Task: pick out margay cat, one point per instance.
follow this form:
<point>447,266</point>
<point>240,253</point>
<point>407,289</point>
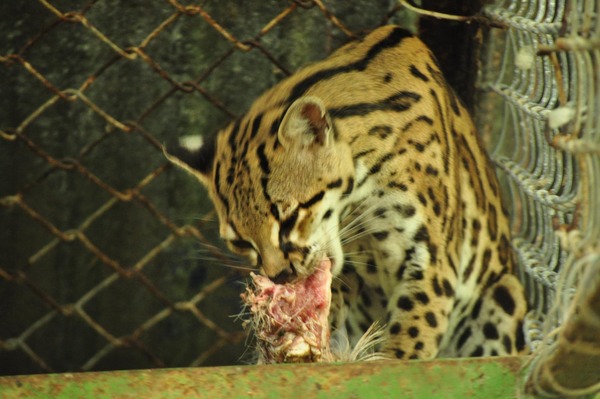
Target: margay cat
<point>368,158</point>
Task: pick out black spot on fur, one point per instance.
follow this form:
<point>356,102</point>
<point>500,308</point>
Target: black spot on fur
<point>476,309</point>
<point>419,346</point>
<point>388,77</point>
<point>431,194</point>
<point>395,328</point>
<point>432,254</point>
<point>504,299</point>
<point>399,353</point>
<point>413,332</point>
<point>400,272</point>
<point>431,319</point>
<point>400,186</point>
<point>383,131</point>
<point>405,303</point>
<point>419,147</point>
<point>328,214</point>
<point>430,170</point>
<point>422,199</point>
<point>448,290</point>
<point>437,288</point>
<point>451,264</point>
<point>478,352</point>
<point>504,250</point>
<point>422,297</point>
<point>520,336</point>
<point>417,275</point>
<point>454,103</point>
<point>381,235</point>
<point>365,298</point>
<point>438,339</point>
<point>469,269</point>
<point>492,222</point>
<point>380,213</point>
<point>349,327</point>
<point>507,343</point>
<point>371,266</point>
<point>487,256</point>
<point>463,338</point>
<point>377,167</point>
<point>422,234</point>
<point>461,323</point>
<point>408,254</point>
<point>490,331</point>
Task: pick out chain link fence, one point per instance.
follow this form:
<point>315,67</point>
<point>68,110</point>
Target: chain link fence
<point>108,256</point>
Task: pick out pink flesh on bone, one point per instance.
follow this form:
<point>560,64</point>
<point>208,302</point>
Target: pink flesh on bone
<point>290,320</point>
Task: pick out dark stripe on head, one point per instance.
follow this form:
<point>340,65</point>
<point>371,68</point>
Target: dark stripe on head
<point>349,187</point>
<point>425,118</point>
<point>363,153</point>
<point>218,187</point>
<point>392,40</point>
<point>418,74</point>
<point>316,198</point>
<point>377,167</point>
<point>264,161</point>
<point>335,184</point>
<point>398,103</point>
<point>288,224</point>
<point>275,125</point>
<point>256,125</point>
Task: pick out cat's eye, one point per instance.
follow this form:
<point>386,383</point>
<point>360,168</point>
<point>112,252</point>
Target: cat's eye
<point>244,248</point>
<point>241,244</point>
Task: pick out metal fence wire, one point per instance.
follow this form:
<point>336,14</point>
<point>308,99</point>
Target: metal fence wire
<point>107,254</point>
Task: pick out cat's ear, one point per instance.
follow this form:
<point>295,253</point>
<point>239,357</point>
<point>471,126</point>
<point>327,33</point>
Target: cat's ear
<point>194,154</point>
<point>306,123</point>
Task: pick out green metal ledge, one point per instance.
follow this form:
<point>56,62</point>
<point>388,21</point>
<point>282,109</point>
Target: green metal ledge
<point>453,378</point>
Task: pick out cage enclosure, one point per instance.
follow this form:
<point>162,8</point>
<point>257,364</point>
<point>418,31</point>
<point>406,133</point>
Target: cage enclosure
<point>110,258</point>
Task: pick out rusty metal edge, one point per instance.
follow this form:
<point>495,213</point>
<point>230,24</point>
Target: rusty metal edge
<point>451,378</point>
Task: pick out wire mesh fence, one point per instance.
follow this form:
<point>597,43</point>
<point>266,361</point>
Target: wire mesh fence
<point>541,100</point>
<point>107,255</point>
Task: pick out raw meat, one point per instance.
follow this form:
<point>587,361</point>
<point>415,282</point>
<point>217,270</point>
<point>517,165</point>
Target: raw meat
<point>290,320</point>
